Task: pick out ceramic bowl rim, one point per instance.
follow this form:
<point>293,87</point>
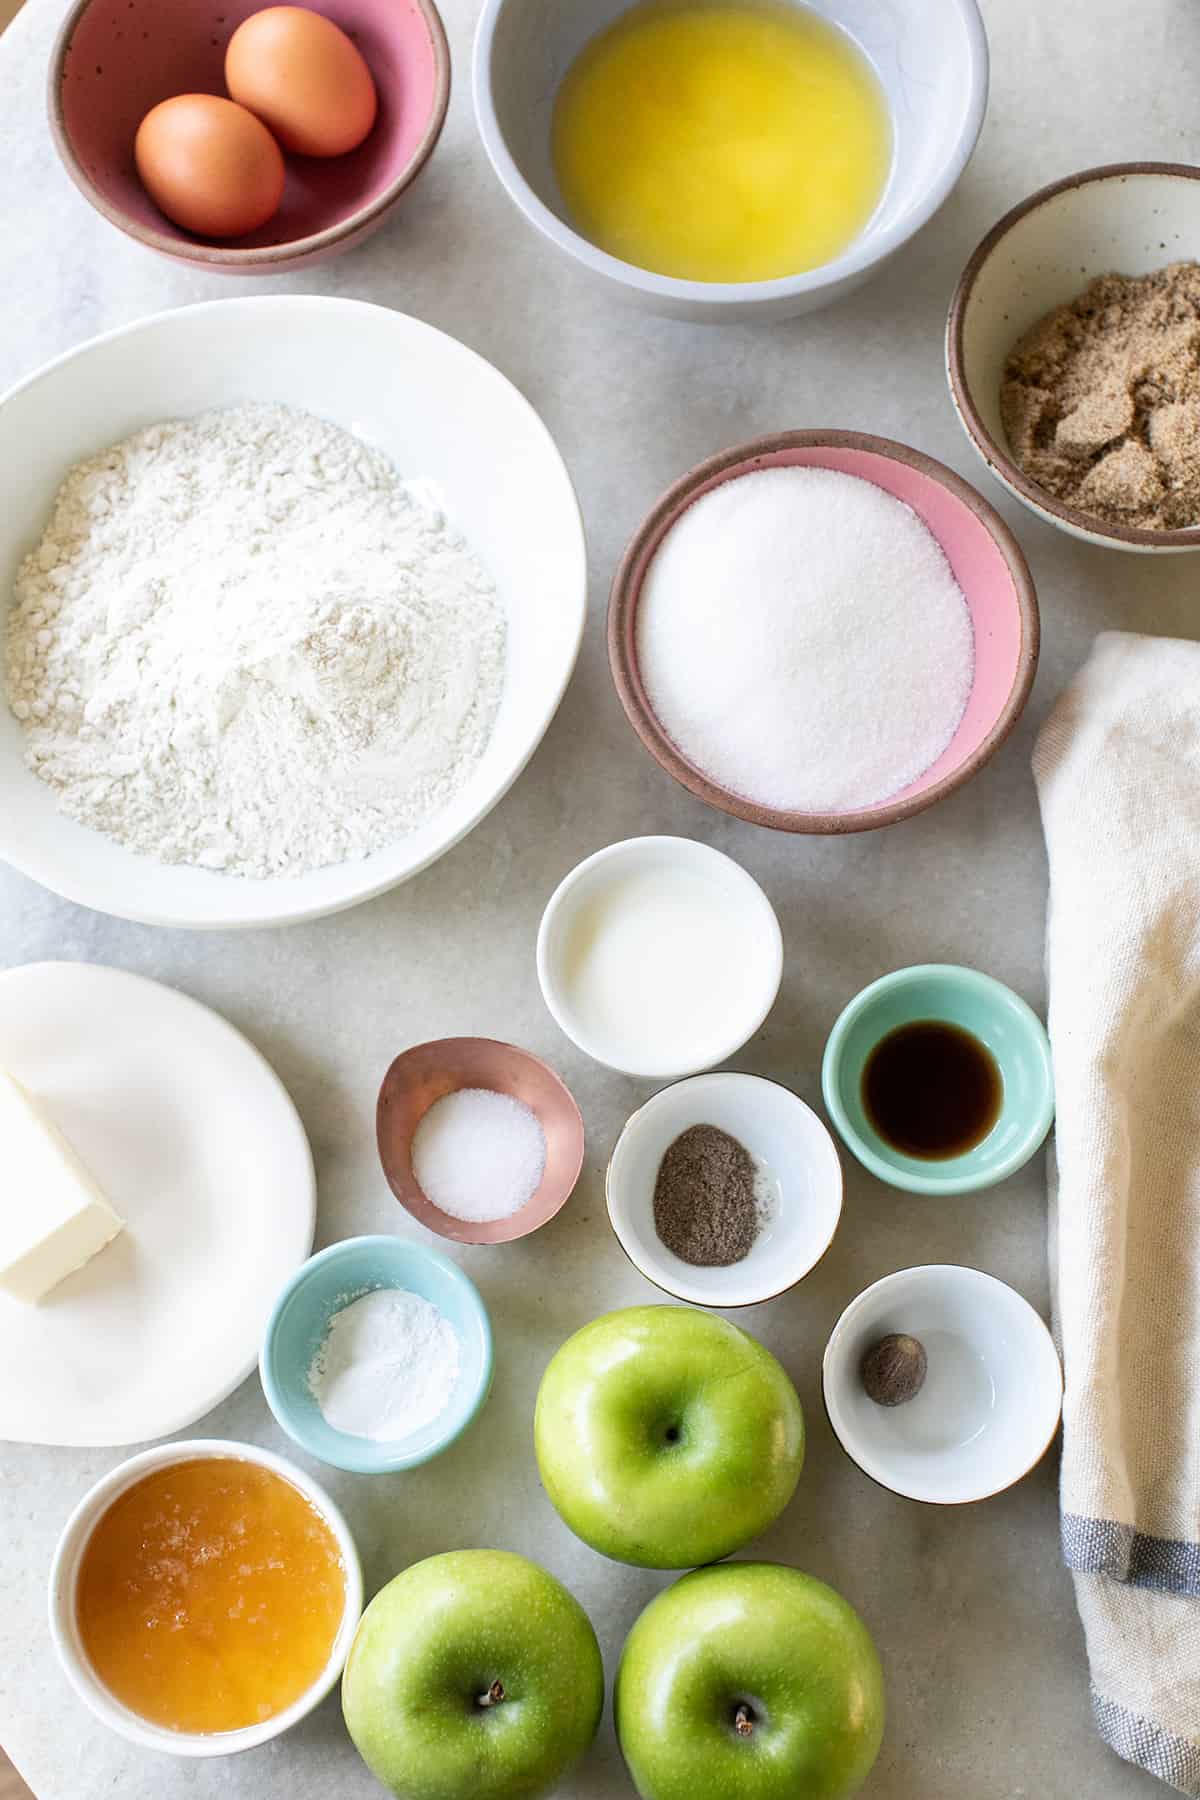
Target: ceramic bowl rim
<point>730,1077</point>
<point>744,459</point>
<point>946,1182</point>
<point>262,258</point>
<point>76,1534</point>
<point>367,1456</point>
<point>441,1222</point>
<point>868,250</point>
<point>956,1273</point>
<point>996,455</point>
<point>623,847</point>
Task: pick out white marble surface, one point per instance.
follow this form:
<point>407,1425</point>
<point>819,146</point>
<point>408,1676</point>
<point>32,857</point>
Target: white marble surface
<point>973,1613</point>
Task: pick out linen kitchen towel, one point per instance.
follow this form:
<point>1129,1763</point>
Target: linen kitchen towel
<point>1118,774</point>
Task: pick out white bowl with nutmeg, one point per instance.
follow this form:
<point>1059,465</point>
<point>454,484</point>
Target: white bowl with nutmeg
<point>1073,360</point>
<point>943,1384</point>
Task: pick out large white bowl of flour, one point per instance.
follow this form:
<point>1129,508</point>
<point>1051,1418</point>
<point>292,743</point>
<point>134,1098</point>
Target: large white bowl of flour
<point>447,420</point>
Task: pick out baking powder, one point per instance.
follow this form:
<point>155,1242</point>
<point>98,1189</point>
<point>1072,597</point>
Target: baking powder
<point>387,1366</point>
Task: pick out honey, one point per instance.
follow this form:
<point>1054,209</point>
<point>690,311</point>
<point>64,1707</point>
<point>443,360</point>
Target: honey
<point>209,1595</point>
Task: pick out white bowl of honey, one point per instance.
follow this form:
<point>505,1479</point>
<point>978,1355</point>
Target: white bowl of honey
<point>203,1597</point>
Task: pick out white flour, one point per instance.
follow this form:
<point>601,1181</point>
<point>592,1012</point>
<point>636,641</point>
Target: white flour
<point>387,1367</point>
<point>245,643</point>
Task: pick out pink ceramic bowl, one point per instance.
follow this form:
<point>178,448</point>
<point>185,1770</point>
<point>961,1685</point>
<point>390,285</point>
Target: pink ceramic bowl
<point>987,562</point>
<point>115,59</point>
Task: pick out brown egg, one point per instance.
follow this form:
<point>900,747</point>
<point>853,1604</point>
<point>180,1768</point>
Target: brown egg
<point>304,78</point>
<point>211,166</point>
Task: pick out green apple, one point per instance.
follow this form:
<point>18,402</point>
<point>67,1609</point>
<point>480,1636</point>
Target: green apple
<point>667,1437</point>
<point>473,1676</point>
<point>749,1682</point>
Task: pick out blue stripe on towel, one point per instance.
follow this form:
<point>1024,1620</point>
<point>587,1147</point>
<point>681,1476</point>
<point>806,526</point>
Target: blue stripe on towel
<point>1172,1759</point>
<point>1102,1547</point>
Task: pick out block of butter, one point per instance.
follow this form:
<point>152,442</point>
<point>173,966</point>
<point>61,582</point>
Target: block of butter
<point>53,1217</point>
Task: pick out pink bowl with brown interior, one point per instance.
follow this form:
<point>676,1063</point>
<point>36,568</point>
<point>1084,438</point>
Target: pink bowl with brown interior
<point>115,59</point>
<point>988,565</point>
<point>427,1073</point>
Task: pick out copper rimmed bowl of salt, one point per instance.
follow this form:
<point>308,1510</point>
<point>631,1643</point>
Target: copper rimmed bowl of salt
<point>822,631</point>
<point>480,1141</point>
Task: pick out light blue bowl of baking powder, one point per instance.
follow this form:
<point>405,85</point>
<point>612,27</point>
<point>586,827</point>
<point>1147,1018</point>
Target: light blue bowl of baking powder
<point>300,1321</point>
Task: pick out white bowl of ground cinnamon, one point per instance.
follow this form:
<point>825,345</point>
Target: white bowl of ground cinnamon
<point>1073,355</point>
<point>724,1190</point>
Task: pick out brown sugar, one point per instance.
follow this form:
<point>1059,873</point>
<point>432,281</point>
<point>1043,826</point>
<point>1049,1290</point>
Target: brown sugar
<point>1100,400</point>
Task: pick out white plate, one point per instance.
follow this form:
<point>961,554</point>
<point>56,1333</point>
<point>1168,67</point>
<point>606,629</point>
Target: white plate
<point>441,413</point>
<point>195,1141</point>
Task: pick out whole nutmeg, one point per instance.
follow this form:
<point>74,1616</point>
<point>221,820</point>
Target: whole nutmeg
<point>893,1370</point>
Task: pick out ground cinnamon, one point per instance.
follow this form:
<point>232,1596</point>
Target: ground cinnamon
<point>705,1201</point>
<point>1100,400</point>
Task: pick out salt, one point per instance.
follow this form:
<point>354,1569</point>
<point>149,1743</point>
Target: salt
<point>803,641</point>
<point>387,1366</point>
<point>479,1155</point>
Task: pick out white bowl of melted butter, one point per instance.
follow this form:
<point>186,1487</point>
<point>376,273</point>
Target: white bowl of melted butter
<point>929,63</point>
<point>659,956</point>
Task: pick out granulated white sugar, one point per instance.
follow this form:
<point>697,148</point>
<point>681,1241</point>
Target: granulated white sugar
<point>479,1155</point>
<point>803,640</point>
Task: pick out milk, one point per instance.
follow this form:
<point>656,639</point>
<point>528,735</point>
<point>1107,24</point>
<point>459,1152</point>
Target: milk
<point>654,966</point>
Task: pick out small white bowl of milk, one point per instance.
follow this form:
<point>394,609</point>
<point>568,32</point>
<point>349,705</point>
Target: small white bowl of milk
<point>659,956</point>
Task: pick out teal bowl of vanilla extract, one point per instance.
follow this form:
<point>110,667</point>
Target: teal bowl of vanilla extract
<point>939,1079</point>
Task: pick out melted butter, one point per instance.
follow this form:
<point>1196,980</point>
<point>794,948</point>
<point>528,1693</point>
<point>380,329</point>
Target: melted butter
<point>209,1595</point>
<point>717,142</point>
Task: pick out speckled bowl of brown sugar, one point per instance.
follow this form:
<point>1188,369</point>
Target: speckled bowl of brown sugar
<point>1118,452</point>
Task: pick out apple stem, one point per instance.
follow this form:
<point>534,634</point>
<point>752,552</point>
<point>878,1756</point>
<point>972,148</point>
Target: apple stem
<point>743,1721</point>
<point>494,1695</point>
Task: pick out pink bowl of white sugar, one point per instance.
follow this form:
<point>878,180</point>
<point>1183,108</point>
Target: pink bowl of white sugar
<point>823,631</point>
